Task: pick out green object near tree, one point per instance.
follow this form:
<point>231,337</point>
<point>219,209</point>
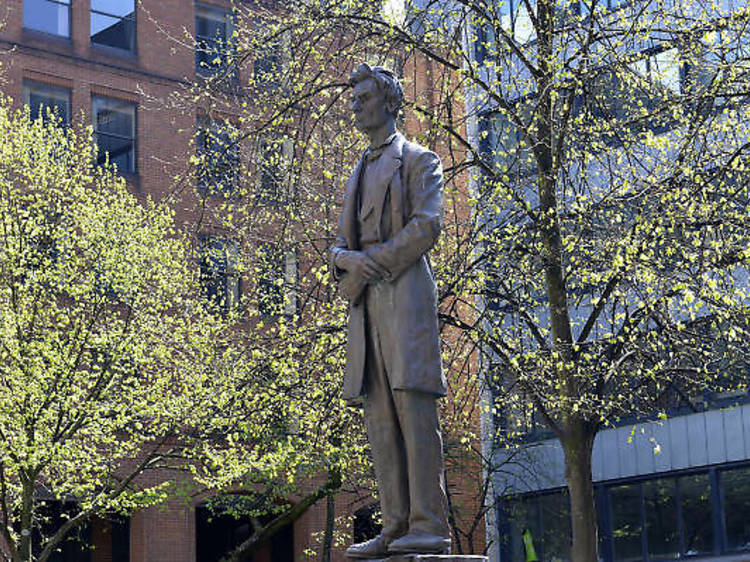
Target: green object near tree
<point>528,546</point>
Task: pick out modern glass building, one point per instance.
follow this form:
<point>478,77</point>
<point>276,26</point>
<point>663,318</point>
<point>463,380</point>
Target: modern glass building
<point>667,487</point>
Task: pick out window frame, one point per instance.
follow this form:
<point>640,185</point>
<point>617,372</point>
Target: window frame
<point>282,149</point>
<point>717,540</point>
<point>276,263</point>
<point>212,128</point>
<point>134,39</point>
<point>226,273</point>
<point>134,138</point>
<point>205,10</point>
<point>66,3</point>
<point>29,85</point>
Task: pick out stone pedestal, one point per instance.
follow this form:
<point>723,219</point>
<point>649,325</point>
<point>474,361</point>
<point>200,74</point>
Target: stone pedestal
<point>429,558</point>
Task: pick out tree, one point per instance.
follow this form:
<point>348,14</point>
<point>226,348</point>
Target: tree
<point>603,269</point>
<point>106,350</point>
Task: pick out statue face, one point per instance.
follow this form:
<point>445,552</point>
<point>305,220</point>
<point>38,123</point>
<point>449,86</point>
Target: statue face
<point>369,107</point>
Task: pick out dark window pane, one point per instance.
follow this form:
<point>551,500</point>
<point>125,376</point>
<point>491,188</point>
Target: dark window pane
<point>367,523</point>
<point>212,31</point>
<point>121,152</point>
<point>556,537</point>
<point>661,518</point>
<point>115,120</point>
<point>113,31</point>
<point>48,16</point>
<point>40,98</point>
<point>119,8</point>
<point>525,528</point>
<point>215,29</point>
<point>219,170</point>
<point>625,502</point>
<point>735,487</point>
<point>695,501</point>
<point>270,281</point>
<point>271,188</point>
<point>267,66</point>
<point>217,271</point>
<point>114,126</point>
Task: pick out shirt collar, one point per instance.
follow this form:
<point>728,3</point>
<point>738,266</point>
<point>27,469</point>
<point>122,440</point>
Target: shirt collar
<point>374,152</point>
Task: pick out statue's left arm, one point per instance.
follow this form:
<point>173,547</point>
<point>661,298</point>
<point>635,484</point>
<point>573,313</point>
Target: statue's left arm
<point>423,187</point>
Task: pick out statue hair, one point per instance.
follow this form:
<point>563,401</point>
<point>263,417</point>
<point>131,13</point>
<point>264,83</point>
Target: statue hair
<point>387,83</point>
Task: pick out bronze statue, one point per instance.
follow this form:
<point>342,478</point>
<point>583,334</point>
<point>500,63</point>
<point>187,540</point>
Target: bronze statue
<point>390,220</point>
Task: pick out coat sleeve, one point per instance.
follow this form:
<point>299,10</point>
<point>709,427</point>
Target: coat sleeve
<point>339,244</point>
<point>423,187</point>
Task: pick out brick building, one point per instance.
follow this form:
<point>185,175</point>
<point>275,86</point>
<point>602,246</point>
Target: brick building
<point>101,62</point>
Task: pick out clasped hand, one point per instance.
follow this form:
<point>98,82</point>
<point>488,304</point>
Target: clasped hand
<point>360,270</point>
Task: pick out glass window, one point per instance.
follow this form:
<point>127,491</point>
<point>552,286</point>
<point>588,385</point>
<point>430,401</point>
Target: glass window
<point>556,532</point>
<point>626,522</point>
<point>213,31</point>
<point>267,66</point>
<point>49,16</point>
<point>271,278</point>
<point>113,23</point>
<point>42,98</point>
<point>114,130</point>
<point>735,488</point>
<point>695,501</point>
<point>661,518</point>
<point>540,528</point>
<point>270,162</point>
<point>218,271</point>
<point>218,171</point>
<point>662,69</point>
<point>508,143</point>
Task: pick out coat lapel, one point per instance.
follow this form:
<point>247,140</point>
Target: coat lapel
<point>349,212</point>
<point>390,163</point>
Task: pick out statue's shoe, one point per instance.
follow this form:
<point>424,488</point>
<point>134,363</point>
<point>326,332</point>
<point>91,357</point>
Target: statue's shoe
<point>420,543</point>
<point>374,548</point>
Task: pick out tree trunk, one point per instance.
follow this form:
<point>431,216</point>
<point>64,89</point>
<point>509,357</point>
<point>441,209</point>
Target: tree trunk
<point>27,515</point>
<point>578,448</point>
<point>330,521</point>
<point>288,517</point>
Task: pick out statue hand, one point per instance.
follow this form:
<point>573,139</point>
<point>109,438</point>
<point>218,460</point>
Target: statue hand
<point>359,265</point>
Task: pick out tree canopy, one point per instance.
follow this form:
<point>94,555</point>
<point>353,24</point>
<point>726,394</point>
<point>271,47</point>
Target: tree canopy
<point>596,160</point>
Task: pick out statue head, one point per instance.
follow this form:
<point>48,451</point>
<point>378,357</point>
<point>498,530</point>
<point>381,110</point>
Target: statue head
<point>377,96</point>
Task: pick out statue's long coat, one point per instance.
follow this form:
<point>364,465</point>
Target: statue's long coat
<point>410,192</point>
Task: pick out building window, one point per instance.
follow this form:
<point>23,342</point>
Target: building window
<point>367,523</point>
<point>113,23</point>
<point>539,525</point>
<point>49,16</point>
<point>213,32</point>
<point>701,513</point>
<point>219,157</point>
<point>267,66</point>
<point>276,271</point>
<point>735,487</point>
<point>114,130</point>
<point>697,514</point>
<point>218,271</point>
<point>661,519</point>
<point>219,531</point>
<point>508,144</point>
<point>271,158</point>
<point>43,99</point>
